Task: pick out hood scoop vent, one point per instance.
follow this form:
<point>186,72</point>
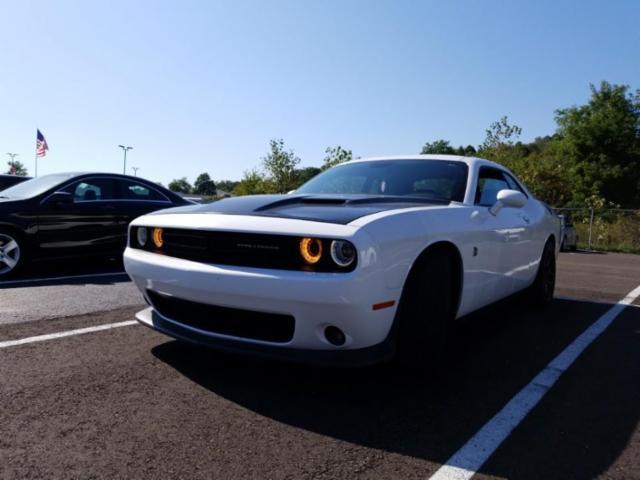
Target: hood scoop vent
<point>324,201</point>
<point>297,200</point>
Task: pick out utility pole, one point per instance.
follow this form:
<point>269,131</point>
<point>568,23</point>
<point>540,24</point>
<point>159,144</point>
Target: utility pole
<point>12,164</point>
<point>135,171</point>
<point>125,150</point>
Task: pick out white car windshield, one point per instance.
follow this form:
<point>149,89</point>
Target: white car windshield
<point>432,179</point>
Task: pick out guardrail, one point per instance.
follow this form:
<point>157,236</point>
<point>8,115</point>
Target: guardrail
<point>615,230</point>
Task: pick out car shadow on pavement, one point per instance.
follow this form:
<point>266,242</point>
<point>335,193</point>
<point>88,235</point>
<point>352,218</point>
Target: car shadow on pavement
<point>429,415</point>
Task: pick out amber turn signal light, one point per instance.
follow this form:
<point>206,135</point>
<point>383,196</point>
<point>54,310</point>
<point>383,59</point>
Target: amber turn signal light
<point>311,250</point>
<point>158,237</point>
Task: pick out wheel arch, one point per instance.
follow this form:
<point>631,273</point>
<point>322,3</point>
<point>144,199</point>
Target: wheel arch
<point>449,249</point>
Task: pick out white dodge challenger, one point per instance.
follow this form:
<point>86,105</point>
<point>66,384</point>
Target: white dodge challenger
<point>370,259</point>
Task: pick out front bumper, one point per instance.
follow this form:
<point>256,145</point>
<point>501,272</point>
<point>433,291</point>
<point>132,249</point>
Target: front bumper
<point>315,300</point>
<point>362,357</point>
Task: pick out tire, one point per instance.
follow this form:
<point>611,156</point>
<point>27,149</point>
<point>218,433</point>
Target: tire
<point>13,254</point>
<point>541,291</point>
<point>425,312</point>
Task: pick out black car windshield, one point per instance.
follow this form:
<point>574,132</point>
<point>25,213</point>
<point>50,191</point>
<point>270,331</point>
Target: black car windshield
<point>35,186</point>
<point>431,179</point>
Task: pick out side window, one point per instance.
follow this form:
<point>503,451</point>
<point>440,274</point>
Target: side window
<point>490,182</point>
<point>513,185</point>
<point>130,190</point>
<point>92,189</point>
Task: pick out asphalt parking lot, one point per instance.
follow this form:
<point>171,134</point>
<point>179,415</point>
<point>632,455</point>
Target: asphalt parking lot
<point>130,403</point>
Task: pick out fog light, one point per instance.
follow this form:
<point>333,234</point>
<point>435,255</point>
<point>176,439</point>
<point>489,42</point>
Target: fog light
<point>141,236</point>
<point>335,336</point>
<point>158,237</point>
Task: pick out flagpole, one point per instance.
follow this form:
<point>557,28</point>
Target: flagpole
<point>36,170</point>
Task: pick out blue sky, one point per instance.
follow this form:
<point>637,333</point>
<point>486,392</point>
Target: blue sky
<point>199,86</point>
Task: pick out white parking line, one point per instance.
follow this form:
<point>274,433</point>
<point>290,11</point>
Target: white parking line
<point>68,333</point>
<point>55,279</point>
<point>468,460</point>
<point>591,300</point>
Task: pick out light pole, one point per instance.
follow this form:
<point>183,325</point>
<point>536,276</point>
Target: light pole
<point>125,150</point>
<point>135,171</point>
<point>12,164</point>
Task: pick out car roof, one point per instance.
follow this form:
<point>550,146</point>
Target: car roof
<point>100,174</point>
<point>470,161</point>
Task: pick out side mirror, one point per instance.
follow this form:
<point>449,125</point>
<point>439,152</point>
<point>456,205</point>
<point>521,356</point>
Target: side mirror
<point>509,199</point>
<point>60,198</point>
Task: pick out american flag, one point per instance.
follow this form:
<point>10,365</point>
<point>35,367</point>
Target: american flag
<point>41,145</point>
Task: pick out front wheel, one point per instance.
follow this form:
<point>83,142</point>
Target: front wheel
<point>425,311</point>
<point>541,291</point>
<point>12,254</point>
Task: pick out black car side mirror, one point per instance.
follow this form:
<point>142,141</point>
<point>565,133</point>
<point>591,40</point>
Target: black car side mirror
<point>60,198</point>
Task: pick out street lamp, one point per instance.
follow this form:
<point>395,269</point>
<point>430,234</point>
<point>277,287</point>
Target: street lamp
<point>12,164</point>
<point>125,150</point>
<point>135,171</point>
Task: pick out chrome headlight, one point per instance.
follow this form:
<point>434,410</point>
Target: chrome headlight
<point>142,236</point>
<point>343,253</point>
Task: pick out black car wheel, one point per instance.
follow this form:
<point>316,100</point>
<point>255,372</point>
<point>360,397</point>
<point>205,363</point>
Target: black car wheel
<point>12,254</point>
<point>425,311</point>
<point>541,291</point>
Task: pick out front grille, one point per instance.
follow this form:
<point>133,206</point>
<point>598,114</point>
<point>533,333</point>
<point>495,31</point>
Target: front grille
<point>231,248</point>
<point>235,322</point>
<point>241,249</point>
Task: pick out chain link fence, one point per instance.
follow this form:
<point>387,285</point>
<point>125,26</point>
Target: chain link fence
<point>614,230</point>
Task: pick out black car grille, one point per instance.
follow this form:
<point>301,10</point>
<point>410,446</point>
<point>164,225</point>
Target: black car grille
<point>231,248</point>
<point>235,322</point>
<point>241,249</point>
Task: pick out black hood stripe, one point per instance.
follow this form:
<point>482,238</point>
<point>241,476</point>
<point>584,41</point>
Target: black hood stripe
<point>340,209</point>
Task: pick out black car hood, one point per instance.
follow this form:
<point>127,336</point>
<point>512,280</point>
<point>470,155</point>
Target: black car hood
<point>341,209</point>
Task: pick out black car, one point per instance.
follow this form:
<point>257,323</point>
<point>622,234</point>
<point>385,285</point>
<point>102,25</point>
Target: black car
<point>70,215</point>
<point>7,181</point>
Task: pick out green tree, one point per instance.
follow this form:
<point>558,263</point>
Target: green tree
<point>468,151</point>
<point>254,182</point>
<point>500,144</point>
<point>600,143</point>
<point>16,167</point>
<point>180,185</point>
<point>335,156</point>
<point>437,147</point>
<point>204,185</point>
<point>500,134</point>
<point>280,166</point>
<point>226,185</point>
